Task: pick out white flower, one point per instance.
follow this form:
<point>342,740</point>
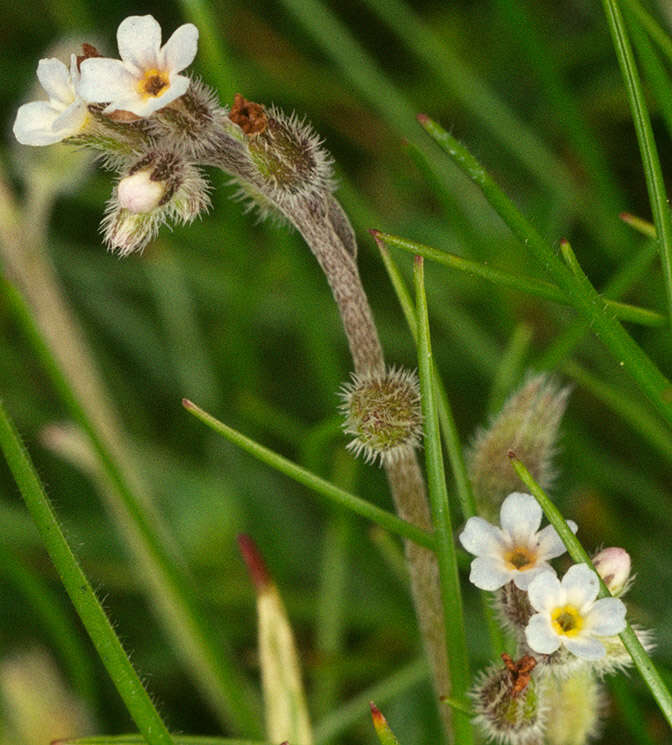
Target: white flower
<point>63,115</point>
<point>145,79</point>
<point>569,614</point>
<point>517,551</point>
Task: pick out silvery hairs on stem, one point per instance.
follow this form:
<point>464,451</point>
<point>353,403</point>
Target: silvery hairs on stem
<point>156,129</point>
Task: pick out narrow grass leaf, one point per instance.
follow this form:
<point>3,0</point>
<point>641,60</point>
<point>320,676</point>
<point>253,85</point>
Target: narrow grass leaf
<point>529,285</point>
<point>383,729</point>
<point>647,144</point>
<point>639,656</point>
<point>438,498</point>
<point>329,491</point>
<point>580,293</point>
<point>89,609</point>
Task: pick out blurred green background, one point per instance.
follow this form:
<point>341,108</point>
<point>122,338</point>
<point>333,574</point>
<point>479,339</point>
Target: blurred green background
<point>236,316</point>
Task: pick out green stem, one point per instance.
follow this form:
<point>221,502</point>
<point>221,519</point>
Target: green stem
<point>652,27</point>
<point>529,285</point>
<point>647,144</point>
<point>99,628</point>
<point>328,490</point>
<point>578,553</point>
<point>580,293</point>
<point>438,497</point>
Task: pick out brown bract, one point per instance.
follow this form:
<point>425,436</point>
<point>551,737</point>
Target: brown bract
<point>88,51</point>
<point>248,115</point>
<point>520,672</point>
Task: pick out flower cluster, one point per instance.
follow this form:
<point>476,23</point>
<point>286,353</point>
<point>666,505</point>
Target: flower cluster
<point>566,634</point>
<point>157,127</point>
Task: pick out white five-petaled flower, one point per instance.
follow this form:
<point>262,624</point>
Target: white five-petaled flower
<point>569,614</point>
<point>146,78</point>
<point>517,551</point>
<point>63,115</point>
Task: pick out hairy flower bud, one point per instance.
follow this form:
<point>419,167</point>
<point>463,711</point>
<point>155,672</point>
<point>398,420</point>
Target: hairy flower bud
<point>286,153</point>
<point>513,608</point>
<point>160,187</point>
<point>507,711</point>
<point>382,411</point>
<point>528,425</point>
<point>613,565</point>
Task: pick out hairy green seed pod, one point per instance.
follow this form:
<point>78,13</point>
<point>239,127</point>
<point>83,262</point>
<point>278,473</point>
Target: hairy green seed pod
<point>575,706</point>
<point>506,714</point>
<point>528,425</point>
<point>383,412</point>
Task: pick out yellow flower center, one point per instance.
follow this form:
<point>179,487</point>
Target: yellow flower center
<point>153,84</point>
<point>566,620</point>
<point>521,558</point>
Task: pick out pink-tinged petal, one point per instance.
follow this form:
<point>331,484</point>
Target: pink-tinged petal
<point>481,538</point>
<point>488,574</point>
<point>545,592</point>
<point>606,617</point>
<point>581,585</point>
<point>586,647</point>
<point>105,80</point>
<point>520,516</point>
<point>549,542</point>
<point>540,635</point>
<point>71,121</point>
<point>34,122</point>
<point>139,41</point>
<point>179,51</point>
<point>55,79</point>
<point>523,579</point>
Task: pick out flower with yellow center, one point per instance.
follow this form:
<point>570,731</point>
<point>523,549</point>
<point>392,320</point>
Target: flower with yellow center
<point>518,551</point>
<point>146,78</point>
<point>569,614</point>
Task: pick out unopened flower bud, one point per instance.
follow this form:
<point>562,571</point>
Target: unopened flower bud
<point>509,704</point>
<point>528,425</point>
<point>613,565</point>
<point>138,193</point>
<point>383,412</point>
<point>514,608</point>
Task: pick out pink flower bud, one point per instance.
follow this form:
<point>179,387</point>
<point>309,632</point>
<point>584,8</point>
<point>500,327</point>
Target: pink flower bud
<point>613,565</point>
<point>139,194</point>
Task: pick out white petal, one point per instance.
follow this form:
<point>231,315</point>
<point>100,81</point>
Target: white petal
<point>540,635</point>
<point>488,574</point>
<point>139,41</point>
<point>549,542</point>
<point>523,579</point>
<point>147,105</point>
<point>70,121</point>
<point>481,538</point>
<point>55,79</point>
<point>581,585</point>
<point>606,617</point>
<point>520,516</point>
<point>34,122</point>
<point>105,80</point>
<point>585,646</point>
<point>545,591</point>
<point>179,51</point>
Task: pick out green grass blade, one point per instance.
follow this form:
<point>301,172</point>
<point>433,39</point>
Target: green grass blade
<point>449,579</point>
<point>450,433</point>
<point>329,491</point>
<point>647,144</point>
<point>138,740</point>
<point>639,656</point>
<point>171,590</point>
<point>651,26</point>
<point>529,285</point>
<point>97,625</point>
<point>580,293</point>
<point>511,367</point>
